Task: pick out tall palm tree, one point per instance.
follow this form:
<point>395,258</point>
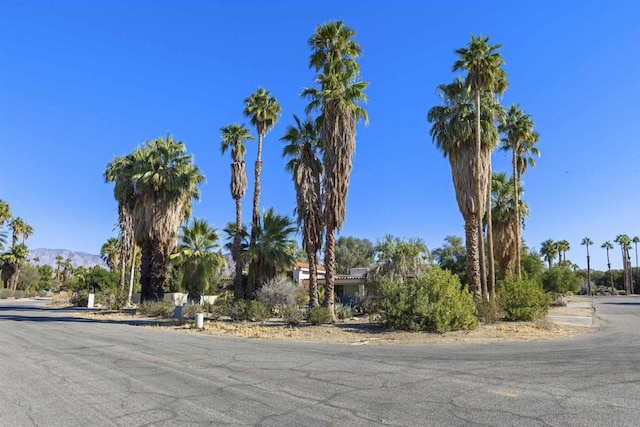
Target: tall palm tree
<point>110,252</point>
<point>233,137</point>
<point>121,171</point>
<point>635,240</point>
<point>197,257</point>
<point>586,242</point>
<point>520,139</point>
<point>625,244</point>
<point>273,250</point>
<point>483,64</point>
<point>263,110</point>
<point>333,57</point>
<point>563,247</point>
<point>608,245</point>
<point>162,181</point>
<point>303,145</point>
<point>549,250</point>
<point>453,132</point>
<point>503,207</point>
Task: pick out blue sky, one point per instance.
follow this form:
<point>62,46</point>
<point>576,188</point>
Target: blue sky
<point>84,81</point>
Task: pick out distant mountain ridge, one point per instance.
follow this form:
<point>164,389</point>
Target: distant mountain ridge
<point>78,259</point>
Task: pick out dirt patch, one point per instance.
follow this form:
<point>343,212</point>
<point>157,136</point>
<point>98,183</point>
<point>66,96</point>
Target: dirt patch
<point>357,331</point>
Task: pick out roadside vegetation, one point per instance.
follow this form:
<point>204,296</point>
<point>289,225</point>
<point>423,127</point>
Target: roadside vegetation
<point>487,275</point>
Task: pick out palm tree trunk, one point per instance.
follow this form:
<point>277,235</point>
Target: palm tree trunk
<point>492,273</point>
<point>313,279</point>
<point>330,269</point>
<point>516,193</point>
<point>610,275</point>
<point>479,198</point>
<point>255,216</point>
<point>473,266</point>
<point>237,243</point>
<point>123,271</point>
<point>589,271</point>
<point>132,274</point>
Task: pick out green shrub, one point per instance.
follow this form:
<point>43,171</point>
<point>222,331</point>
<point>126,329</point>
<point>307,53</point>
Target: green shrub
<point>258,312</point>
<point>239,311</point>
<point>561,279</point>
<point>156,308</point>
<point>522,299</point>
<point>190,311</point>
<point>343,311</point>
<point>292,315</point>
<point>79,298</point>
<point>319,316</point>
<point>113,301</point>
<point>436,303</point>
<point>488,312</point>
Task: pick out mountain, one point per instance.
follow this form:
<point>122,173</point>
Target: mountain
<point>78,259</point>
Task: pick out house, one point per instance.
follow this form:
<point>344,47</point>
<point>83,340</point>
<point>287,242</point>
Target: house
<point>354,283</point>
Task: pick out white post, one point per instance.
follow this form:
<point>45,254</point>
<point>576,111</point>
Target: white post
<point>91,300</point>
<point>199,320</point>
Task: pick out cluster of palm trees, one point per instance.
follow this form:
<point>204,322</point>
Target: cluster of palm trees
<point>155,184</point>
<point>467,129</point>
<point>550,250</point>
<point>12,260</point>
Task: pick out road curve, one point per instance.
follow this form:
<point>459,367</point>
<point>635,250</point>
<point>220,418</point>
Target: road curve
<point>60,370</point>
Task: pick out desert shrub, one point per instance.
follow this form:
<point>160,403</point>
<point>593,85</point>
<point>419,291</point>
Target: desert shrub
<point>258,312</point>
<point>112,300</point>
<point>319,316</point>
<point>190,311</point>
<point>19,294</point>
<point>488,311</point>
<point>436,302</point>
<point>5,293</point>
<point>278,293</point>
<point>561,279</point>
<point>522,299</point>
<point>79,298</point>
<point>292,315</point>
<point>156,308</point>
<point>343,311</point>
<point>242,310</point>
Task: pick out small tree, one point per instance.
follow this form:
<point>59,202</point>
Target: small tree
<point>560,279</point>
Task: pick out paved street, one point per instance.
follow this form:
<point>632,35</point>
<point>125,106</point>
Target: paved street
<point>58,370</point>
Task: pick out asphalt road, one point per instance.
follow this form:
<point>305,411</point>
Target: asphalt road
<point>57,370</point>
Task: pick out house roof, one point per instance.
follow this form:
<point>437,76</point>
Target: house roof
<point>319,267</point>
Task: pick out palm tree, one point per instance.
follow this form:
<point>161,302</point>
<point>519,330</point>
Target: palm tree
<point>399,259</point>
<point>549,250</point>
<point>333,57</point>
<point>234,136</point>
<point>263,110</point>
<point>273,250</point>
<point>586,242</point>
<point>11,263</point>
<point>19,229</point>
<point>121,171</point>
<point>453,133</point>
<point>197,257</point>
<point>608,245</point>
<point>520,139</point>
<point>563,247</point>
<point>161,180</point>
<point>110,252</point>
<point>635,241</point>
<point>5,212</point>
<point>302,150</point>
<point>625,244</point>
<point>483,64</point>
<point>503,207</point>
